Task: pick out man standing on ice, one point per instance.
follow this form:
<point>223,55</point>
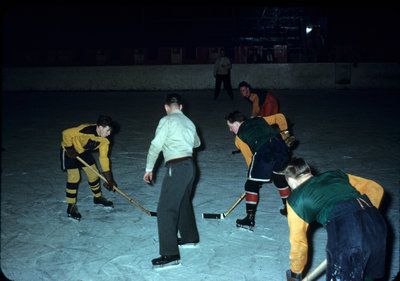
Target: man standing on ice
<point>175,137</point>
<point>81,141</point>
<point>222,73</point>
<point>265,153</point>
<point>346,206</point>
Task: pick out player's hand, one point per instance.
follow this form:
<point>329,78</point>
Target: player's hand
<point>110,181</point>
<point>290,276</point>
<point>148,177</point>
<point>290,141</point>
<point>71,152</point>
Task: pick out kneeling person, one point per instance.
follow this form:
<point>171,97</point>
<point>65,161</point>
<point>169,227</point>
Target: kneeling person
<point>263,104</point>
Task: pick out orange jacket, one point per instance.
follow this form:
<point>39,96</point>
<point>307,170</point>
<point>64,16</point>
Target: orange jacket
<point>269,107</point>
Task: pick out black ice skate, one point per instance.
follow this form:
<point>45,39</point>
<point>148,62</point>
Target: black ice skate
<point>72,212</point>
<point>103,201</point>
<point>247,223</point>
<point>166,261</point>
<point>283,211</point>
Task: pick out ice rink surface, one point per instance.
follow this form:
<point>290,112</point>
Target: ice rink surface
<point>356,131</point>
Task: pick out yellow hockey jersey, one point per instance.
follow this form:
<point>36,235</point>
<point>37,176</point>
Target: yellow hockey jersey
<point>84,138</point>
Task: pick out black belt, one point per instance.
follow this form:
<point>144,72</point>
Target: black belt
<point>176,160</point>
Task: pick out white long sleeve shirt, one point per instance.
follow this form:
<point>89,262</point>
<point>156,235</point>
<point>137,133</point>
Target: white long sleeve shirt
<point>222,66</point>
<point>175,136</point>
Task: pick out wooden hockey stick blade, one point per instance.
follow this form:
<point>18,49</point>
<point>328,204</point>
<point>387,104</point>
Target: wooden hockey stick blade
<point>153,214</point>
<point>213,216</point>
<point>319,269</point>
<point>223,215</point>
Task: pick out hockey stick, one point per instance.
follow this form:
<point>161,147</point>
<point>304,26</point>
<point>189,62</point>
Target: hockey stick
<point>236,151</point>
<point>153,214</point>
<point>320,268</point>
<point>223,215</point>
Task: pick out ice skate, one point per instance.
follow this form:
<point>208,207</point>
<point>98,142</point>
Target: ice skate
<point>72,212</point>
<point>166,261</point>
<point>283,211</point>
<point>103,201</point>
<point>247,223</point>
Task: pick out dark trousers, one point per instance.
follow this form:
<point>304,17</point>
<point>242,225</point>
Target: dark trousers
<point>272,156</point>
<point>227,85</point>
<point>175,210</point>
<point>356,241</point>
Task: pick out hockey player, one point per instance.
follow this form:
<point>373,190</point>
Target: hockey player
<point>346,206</point>
<point>175,137</point>
<point>81,141</point>
<point>265,152</point>
<point>263,104</point>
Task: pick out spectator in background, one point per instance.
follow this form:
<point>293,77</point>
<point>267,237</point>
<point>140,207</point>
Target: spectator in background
<point>222,73</point>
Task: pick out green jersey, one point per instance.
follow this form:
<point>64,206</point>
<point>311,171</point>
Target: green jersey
<point>255,132</point>
<point>314,199</point>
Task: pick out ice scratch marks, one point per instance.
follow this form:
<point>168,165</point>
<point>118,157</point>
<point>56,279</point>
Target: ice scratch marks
<point>268,238</point>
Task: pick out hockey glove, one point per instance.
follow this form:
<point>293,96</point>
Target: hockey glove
<point>290,276</point>
<point>110,181</point>
<point>71,152</point>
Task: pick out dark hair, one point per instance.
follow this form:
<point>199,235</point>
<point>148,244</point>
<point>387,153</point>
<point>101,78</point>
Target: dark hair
<point>244,84</point>
<point>173,99</point>
<point>295,168</point>
<point>235,116</point>
<point>105,121</point>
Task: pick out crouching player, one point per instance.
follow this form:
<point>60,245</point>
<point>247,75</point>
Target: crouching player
<point>346,206</point>
<point>81,141</point>
<point>265,151</point>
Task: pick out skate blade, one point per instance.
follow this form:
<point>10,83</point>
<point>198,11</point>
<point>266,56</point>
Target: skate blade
<point>245,227</point>
<point>104,206</point>
<point>189,245</point>
<point>167,265</point>
<point>74,218</point>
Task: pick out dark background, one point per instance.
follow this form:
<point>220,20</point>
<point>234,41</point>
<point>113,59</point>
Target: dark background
<point>38,34</point>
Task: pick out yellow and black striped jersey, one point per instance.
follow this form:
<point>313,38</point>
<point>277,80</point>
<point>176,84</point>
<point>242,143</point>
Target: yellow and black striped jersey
<point>85,138</point>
